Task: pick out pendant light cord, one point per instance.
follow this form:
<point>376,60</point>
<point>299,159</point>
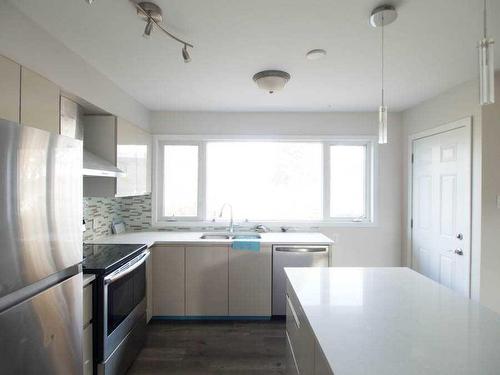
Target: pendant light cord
<point>382,54</point>
<point>485,20</point>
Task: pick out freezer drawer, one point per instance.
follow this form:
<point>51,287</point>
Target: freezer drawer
<point>43,334</point>
<point>293,256</point>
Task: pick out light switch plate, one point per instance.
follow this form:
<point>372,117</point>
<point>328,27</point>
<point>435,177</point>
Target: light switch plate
<point>498,201</point>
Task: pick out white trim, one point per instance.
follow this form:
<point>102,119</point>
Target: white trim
<point>200,140</point>
<point>465,122</point>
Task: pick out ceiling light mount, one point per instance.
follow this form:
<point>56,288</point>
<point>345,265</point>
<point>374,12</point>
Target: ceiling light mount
<point>316,54</point>
<point>383,15</point>
<point>271,80</point>
<point>149,11</point>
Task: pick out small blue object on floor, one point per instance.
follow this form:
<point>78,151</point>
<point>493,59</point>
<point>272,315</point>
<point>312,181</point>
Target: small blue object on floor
<point>246,245</point>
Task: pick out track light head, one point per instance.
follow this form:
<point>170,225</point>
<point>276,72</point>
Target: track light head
<point>148,28</point>
<point>185,54</point>
<point>90,2</point>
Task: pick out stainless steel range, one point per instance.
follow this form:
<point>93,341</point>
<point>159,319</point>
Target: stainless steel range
<point>120,310</point>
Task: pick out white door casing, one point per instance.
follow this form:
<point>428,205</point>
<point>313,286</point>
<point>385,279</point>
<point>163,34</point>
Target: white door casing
<point>441,205</point>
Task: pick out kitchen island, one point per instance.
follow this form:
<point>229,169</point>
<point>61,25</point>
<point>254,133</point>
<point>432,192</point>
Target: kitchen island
<point>391,321</point>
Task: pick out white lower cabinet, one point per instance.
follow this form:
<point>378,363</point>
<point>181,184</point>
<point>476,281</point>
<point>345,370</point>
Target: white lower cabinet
<point>321,366</point>
<point>207,280</point>
<point>87,350</point>
<point>87,330</point>
<point>210,280</point>
<point>304,355</point>
<point>168,284</point>
<point>149,289</point>
<point>250,282</point>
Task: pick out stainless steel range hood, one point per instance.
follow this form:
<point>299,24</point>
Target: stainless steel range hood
<point>94,165</point>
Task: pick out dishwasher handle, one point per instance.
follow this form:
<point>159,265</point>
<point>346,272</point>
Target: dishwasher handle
<point>302,249</point>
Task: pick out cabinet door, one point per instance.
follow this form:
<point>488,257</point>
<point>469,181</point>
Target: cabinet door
<point>207,280</point>
<point>133,158</point>
<point>321,365</point>
<point>10,86</point>
<point>39,101</point>
<point>168,280</point>
<point>250,282</point>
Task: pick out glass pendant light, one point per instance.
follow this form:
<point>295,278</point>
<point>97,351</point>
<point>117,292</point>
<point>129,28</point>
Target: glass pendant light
<point>382,110</point>
<point>380,17</point>
<point>486,66</point>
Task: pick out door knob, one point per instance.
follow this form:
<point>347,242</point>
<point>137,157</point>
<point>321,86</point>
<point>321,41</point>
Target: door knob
<point>459,252</point>
<point>460,236</point>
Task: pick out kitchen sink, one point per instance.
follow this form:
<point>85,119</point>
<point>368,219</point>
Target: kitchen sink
<point>230,236</point>
<point>215,236</point>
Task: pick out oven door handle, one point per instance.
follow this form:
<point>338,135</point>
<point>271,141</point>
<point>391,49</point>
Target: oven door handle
<point>115,276</point>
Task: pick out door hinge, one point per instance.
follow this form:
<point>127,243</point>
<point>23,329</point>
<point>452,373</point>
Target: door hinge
<point>412,158</point>
<point>411,223</point>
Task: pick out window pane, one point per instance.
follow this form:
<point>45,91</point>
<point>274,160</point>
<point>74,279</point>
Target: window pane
<point>180,194</point>
<point>347,181</point>
<point>265,180</point>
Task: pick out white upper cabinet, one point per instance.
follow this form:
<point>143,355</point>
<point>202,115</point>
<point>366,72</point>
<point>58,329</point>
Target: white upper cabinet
<point>10,88</point>
<point>124,145</point>
<point>133,156</point>
<point>39,101</point>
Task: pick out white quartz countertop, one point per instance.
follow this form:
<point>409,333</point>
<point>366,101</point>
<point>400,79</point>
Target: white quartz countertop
<point>158,237</point>
<point>395,321</point>
<point>87,279</point>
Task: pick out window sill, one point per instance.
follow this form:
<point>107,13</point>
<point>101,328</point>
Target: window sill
<point>273,225</point>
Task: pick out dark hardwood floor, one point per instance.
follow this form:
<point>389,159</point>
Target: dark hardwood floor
<point>209,348</point>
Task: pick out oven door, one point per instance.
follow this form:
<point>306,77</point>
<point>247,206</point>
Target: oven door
<point>124,302</point>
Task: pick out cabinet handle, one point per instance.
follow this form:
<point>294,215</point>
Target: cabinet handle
<point>295,317</point>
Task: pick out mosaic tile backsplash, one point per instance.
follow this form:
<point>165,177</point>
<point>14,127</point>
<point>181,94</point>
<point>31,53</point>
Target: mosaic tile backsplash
<point>99,214</point>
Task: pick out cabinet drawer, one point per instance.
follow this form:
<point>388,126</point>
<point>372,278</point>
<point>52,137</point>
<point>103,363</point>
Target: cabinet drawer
<point>291,363</point>
<point>299,334</point>
<point>87,350</point>
<point>87,305</point>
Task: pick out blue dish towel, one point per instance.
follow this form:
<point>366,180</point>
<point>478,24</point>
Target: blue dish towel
<point>246,245</point>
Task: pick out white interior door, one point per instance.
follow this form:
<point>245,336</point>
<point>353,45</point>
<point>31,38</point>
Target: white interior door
<point>441,203</point>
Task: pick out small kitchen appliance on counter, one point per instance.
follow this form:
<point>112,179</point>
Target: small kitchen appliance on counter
<point>120,310</point>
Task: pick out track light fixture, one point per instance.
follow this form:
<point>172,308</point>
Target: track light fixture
<point>148,29</point>
<point>152,14</point>
<point>185,54</point>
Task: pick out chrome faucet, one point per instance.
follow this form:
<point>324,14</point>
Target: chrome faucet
<point>231,223</point>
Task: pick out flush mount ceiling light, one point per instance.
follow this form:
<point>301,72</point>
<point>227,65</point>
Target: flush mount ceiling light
<point>486,65</point>
<point>315,54</point>
<point>271,80</point>
<point>381,17</point>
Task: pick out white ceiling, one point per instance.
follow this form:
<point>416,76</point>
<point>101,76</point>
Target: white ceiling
<point>429,49</point>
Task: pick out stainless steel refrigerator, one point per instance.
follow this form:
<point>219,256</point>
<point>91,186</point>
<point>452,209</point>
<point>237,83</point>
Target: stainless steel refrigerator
<point>40,252</point>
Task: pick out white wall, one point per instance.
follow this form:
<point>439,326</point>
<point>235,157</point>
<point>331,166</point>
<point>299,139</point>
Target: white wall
<point>490,229</point>
<point>28,44</point>
<point>379,245</point>
<point>459,102</point>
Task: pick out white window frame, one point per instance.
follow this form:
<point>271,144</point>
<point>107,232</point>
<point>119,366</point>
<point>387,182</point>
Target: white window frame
<point>159,220</point>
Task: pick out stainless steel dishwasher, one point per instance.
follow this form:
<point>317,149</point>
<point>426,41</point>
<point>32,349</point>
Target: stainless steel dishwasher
<point>293,256</point>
